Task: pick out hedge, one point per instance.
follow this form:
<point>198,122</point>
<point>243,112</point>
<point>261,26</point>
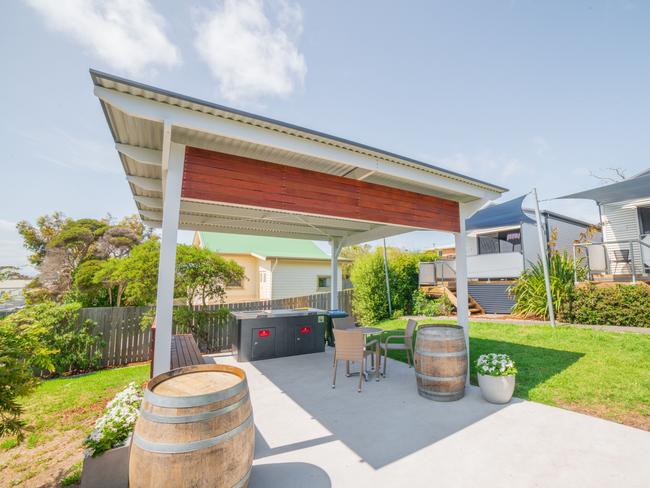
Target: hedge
<point>626,305</point>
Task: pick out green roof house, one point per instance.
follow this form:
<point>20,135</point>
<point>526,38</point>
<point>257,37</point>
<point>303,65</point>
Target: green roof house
<point>275,267</point>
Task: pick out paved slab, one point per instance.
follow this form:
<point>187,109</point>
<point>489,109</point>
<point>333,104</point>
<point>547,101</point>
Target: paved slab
<point>309,435</point>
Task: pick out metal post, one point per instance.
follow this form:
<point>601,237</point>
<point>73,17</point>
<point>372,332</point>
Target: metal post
<point>575,266</point>
<point>543,247</point>
<point>390,305</point>
<point>632,261</point>
<point>334,279</point>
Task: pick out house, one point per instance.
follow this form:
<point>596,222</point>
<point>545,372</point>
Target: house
<point>11,294</point>
<point>623,254</point>
<point>275,267</point>
<point>502,241</point>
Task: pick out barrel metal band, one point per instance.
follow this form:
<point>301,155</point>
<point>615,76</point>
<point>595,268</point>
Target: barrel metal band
<point>435,338</point>
<point>198,417</point>
<point>243,481</point>
<point>439,378</point>
<point>441,354</point>
<point>190,446</point>
<point>193,401</point>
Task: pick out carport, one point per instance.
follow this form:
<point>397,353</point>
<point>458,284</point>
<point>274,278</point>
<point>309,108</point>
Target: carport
<point>196,165</point>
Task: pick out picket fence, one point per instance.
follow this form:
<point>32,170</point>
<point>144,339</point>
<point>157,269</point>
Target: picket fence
<point>124,341</point>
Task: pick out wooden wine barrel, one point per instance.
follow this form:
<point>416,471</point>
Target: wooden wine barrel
<point>441,362</point>
<point>195,429</point>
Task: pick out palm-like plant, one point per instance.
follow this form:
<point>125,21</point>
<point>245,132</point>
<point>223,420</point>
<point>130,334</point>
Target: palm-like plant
<point>529,290</point>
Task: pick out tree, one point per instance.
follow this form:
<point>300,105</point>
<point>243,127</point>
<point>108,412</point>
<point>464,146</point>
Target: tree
<point>36,237</point>
<point>352,253</point>
<point>12,273</point>
<point>613,175</point>
<point>203,274</point>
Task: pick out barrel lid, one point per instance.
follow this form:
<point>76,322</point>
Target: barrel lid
<point>440,330</point>
<point>196,383</point>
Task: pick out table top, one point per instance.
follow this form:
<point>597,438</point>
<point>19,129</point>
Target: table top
<point>369,330</point>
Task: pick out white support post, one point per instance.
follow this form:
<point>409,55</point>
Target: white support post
<point>462,307</point>
<point>334,280</point>
<point>167,263</point>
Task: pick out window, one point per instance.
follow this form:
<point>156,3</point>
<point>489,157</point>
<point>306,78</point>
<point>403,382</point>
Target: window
<point>644,219</point>
<point>499,242</point>
<point>324,282</point>
<point>235,284</point>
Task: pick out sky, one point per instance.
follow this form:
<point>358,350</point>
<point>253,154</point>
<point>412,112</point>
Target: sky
<point>519,93</point>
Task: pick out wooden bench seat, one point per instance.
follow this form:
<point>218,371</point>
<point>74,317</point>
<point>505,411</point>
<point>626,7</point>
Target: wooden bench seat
<point>185,351</point>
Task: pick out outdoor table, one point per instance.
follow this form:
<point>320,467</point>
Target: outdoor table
<point>368,331</point>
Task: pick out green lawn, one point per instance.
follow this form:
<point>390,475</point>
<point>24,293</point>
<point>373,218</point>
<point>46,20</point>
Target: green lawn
<point>606,374</point>
<point>59,414</point>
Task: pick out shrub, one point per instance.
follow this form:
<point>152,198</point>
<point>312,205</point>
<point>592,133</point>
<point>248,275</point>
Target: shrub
<point>495,365</point>
<point>627,305</point>
<point>425,305</point>
<point>22,348</point>
<point>369,302</point>
<point>529,290</point>
<point>63,333</point>
<point>112,429</point>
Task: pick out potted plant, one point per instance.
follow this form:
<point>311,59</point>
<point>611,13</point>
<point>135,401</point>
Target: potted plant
<point>496,377</point>
<point>106,457</point>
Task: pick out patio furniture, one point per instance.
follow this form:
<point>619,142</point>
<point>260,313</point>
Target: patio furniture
<point>185,351</point>
<point>343,323</point>
<point>405,345</point>
<point>621,256</point>
<point>351,346</point>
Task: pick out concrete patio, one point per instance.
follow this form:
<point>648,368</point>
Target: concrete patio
<point>309,435</point>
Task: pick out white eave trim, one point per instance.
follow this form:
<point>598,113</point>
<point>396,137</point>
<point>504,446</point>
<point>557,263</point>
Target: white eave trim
<point>161,112</point>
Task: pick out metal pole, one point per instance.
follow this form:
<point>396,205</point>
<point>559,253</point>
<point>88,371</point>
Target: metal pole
<point>575,268</point>
<point>544,250</point>
<point>390,306</point>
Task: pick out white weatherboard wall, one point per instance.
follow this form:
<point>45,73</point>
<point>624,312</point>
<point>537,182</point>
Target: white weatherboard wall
<point>621,224</point>
<point>292,278</point>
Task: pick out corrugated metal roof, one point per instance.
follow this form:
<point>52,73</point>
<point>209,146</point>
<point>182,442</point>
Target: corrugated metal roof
<point>146,91</point>
<point>266,246</point>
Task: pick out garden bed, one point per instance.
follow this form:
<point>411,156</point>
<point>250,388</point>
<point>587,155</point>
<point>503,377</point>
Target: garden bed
<point>60,414</point>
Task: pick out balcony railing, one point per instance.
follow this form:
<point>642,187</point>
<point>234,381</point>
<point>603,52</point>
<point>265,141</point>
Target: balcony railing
<point>620,259</point>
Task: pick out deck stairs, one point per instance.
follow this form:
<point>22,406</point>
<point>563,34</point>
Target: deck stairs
<point>448,289</point>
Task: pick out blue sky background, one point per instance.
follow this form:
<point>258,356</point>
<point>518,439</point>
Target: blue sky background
<point>519,93</point>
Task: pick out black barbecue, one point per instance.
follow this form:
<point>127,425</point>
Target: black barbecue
<point>265,334</point>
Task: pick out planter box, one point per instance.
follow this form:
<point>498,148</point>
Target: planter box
<point>497,389</point>
<point>109,470</point>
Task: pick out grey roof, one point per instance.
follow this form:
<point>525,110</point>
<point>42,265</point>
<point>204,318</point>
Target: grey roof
<point>630,189</point>
<point>501,215</point>
<point>149,91</point>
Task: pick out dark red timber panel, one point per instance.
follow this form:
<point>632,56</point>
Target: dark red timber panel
<point>219,177</point>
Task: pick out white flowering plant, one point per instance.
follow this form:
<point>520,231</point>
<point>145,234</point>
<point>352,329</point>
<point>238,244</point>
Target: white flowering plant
<point>495,365</point>
<point>112,429</point>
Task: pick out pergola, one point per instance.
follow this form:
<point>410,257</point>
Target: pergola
<point>196,165</point>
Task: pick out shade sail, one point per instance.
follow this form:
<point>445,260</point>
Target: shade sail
<point>631,189</point>
<point>501,215</point>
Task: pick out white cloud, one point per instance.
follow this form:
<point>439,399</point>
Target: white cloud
<point>252,54</point>
<point>7,225</point>
<point>127,34</point>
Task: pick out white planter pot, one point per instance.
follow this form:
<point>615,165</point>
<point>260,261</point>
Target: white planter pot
<point>108,470</point>
<point>497,389</point>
